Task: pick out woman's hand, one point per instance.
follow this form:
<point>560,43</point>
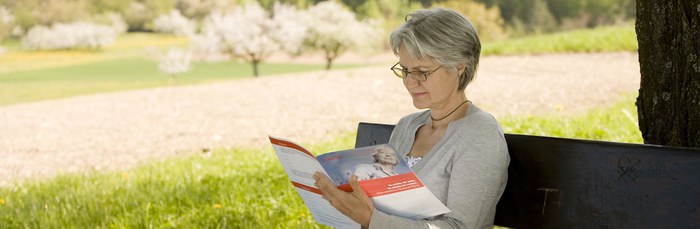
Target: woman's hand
<point>355,204</point>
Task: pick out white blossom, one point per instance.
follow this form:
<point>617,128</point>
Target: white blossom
<point>334,30</point>
<point>289,27</point>
<point>251,33</point>
<point>69,36</point>
<point>174,23</point>
<point>175,62</point>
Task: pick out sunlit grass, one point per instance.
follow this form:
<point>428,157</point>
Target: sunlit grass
<point>125,74</point>
<point>617,123</point>
<point>603,39</point>
<point>129,45</point>
<point>232,188</point>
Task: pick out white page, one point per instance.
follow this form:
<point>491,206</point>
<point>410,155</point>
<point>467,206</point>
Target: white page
<point>300,165</point>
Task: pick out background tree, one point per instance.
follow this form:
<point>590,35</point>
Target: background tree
<point>334,30</point>
<point>250,33</point>
<point>668,105</point>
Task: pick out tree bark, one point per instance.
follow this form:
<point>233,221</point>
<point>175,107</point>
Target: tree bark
<point>255,67</point>
<point>668,32</point>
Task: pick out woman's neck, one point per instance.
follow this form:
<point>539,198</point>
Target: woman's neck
<point>440,118</point>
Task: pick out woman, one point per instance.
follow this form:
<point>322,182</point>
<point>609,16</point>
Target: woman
<point>456,149</point>
<point>384,162</point>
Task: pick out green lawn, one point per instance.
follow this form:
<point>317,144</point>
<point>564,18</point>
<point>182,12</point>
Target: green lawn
<point>234,188</point>
<point>124,74</point>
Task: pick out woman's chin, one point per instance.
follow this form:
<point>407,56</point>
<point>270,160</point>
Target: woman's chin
<point>419,104</point>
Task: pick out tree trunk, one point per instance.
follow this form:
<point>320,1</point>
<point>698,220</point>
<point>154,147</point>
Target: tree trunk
<point>668,32</point>
<point>329,62</point>
<point>255,67</point>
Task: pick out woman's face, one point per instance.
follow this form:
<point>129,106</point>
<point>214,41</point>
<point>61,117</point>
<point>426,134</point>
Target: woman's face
<point>437,90</point>
<point>385,157</point>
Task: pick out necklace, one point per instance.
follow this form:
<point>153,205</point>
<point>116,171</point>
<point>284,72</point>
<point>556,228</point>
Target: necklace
<point>448,114</point>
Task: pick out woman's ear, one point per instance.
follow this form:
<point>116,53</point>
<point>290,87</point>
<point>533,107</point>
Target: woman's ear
<point>461,68</point>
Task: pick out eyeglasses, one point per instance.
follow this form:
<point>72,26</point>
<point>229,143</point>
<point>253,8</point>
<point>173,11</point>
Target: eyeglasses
<point>419,76</point>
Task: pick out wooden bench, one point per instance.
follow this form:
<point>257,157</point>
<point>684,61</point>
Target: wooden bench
<point>571,183</point>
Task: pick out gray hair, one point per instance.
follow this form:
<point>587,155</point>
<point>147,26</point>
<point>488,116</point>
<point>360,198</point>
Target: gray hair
<point>443,34</point>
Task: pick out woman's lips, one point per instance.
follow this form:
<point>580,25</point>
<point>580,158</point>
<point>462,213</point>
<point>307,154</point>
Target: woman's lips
<point>418,94</point>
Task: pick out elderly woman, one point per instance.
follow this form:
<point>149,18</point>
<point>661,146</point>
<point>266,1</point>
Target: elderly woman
<point>455,148</point>
<point>384,162</point>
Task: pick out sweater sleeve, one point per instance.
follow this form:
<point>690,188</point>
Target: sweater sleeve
<point>477,178</point>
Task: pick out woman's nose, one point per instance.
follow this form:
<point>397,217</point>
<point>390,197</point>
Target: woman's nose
<point>410,82</point>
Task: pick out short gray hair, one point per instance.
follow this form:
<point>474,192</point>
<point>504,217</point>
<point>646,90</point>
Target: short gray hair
<point>443,34</point>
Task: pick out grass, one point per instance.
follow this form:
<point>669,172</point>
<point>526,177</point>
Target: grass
<point>603,39</point>
<point>33,76</point>
<point>617,123</point>
<point>124,74</point>
<point>232,188</point>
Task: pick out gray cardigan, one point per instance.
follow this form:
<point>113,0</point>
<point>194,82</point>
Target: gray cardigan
<point>467,170</point>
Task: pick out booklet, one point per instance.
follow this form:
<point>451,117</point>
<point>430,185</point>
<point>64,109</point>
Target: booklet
<point>393,187</point>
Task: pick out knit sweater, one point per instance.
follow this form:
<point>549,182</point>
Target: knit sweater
<point>467,170</point>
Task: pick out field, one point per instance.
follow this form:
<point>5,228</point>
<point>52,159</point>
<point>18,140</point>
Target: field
<point>224,188</point>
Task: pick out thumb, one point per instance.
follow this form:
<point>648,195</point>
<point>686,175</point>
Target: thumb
<point>356,189</point>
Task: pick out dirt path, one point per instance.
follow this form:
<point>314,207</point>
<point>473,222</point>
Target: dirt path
<point>118,130</point>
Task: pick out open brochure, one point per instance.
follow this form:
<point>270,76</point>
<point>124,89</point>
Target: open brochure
<point>394,189</point>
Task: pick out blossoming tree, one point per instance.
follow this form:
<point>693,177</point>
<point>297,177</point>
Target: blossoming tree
<point>251,33</point>
<point>333,29</point>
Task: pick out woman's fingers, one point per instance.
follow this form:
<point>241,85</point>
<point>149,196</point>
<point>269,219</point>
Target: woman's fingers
<point>357,190</point>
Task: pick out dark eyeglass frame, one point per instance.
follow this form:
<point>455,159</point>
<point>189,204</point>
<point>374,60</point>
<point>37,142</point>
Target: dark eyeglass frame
<point>419,76</point>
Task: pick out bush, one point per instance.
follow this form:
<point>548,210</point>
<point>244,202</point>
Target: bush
<point>174,62</point>
<point>75,35</point>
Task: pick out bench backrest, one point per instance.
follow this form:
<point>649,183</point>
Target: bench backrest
<point>571,183</point>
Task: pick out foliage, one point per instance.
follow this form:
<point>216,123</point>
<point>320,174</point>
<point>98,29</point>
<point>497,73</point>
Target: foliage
<point>140,14</point>
<point>174,23</point>
<point>199,9</point>
<point>112,19</point>
<point>488,21</point>
<point>517,17</point>
<point>333,30</point>
<point>236,188</point>
<point>69,36</point>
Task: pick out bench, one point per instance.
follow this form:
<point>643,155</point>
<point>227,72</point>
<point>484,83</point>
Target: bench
<point>572,183</point>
